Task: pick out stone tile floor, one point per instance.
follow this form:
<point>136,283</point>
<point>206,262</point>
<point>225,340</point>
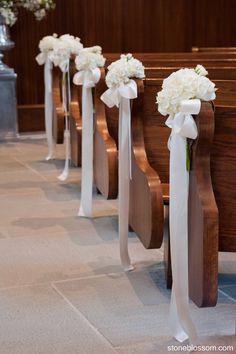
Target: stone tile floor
<point>62,289</point>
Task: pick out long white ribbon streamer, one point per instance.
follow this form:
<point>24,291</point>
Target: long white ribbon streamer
<point>66,98</point>
<point>43,59</point>
<point>183,126</point>
<point>87,79</point>
<point>121,98</point>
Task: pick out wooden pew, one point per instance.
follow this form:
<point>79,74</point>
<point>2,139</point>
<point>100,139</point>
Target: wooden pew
<point>149,59</point>
<point>58,115</point>
<point>145,222</point>
<point>202,251</point>
<point>76,124</point>
<point>149,190</point>
<point>106,128</point>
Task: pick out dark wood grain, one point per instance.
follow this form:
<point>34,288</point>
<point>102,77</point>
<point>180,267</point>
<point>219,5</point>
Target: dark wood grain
<point>223,166</point>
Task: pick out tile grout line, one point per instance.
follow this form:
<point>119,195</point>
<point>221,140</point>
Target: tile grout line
<point>31,169</point>
<point>225,294</point>
<point>81,315</point>
<point>86,277</point>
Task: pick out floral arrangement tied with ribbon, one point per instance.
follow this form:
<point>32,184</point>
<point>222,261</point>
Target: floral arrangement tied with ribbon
<point>88,63</point>
<point>121,89</point>
<point>180,98</point>
<point>46,46</point>
<point>58,51</point>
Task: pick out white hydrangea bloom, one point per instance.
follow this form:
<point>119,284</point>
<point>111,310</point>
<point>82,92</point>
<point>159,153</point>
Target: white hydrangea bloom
<point>90,58</point>
<point>184,84</point>
<point>121,71</point>
<point>63,48</point>
<point>71,44</point>
<point>47,43</point>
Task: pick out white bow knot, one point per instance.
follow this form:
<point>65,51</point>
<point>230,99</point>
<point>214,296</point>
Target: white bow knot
<point>87,78</point>
<point>112,96</point>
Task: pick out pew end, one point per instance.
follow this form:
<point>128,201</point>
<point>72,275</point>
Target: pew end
<point>146,195</point>
<point>105,147</point>
<point>203,216</point>
<point>76,125</point>
<point>58,113</point>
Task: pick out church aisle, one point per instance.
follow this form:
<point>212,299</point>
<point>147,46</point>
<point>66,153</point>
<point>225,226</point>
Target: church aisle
<point>62,288</point>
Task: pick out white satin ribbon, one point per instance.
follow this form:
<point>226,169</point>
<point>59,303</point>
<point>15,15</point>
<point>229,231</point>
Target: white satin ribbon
<point>87,79</point>
<point>43,59</point>
<point>183,126</point>
<point>66,98</point>
<point>120,97</point>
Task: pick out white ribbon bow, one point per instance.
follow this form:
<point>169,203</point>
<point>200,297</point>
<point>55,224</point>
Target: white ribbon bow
<point>183,126</point>
<point>43,59</point>
<point>88,79</point>
<point>66,98</point>
<point>120,97</point>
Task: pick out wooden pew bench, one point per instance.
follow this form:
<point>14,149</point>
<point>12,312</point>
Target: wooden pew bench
<point>149,191</point>
<point>142,225</point>
<point>106,128</point>
<point>147,144</point>
<point>149,59</point>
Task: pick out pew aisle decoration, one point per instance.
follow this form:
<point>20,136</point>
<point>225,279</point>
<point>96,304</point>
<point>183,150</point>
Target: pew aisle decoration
<point>181,97</point>
<point>87,63</point>
<point>46,46</point>
<point>63,49</point>
<point>121,89</point>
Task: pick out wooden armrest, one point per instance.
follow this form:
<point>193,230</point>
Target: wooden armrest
<point>105,148</point>
<point>59,114</point>
<point>203,216</point>
<point>146,198</point>
<point>76,125</point>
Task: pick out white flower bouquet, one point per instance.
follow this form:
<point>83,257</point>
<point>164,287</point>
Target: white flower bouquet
<point>184,84</point>
<point>90,58</point>
<point>9,8</point>
<point>63,48</point>
<point>46,46</point>
<point>121,71</point>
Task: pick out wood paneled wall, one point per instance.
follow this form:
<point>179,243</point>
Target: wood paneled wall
<point>118,26</point>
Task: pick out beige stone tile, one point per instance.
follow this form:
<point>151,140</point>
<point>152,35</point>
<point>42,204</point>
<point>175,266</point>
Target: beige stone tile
<point>11,166</point>
<point>36,320</point>
<point>134,307</point>
<point>64,255</point>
